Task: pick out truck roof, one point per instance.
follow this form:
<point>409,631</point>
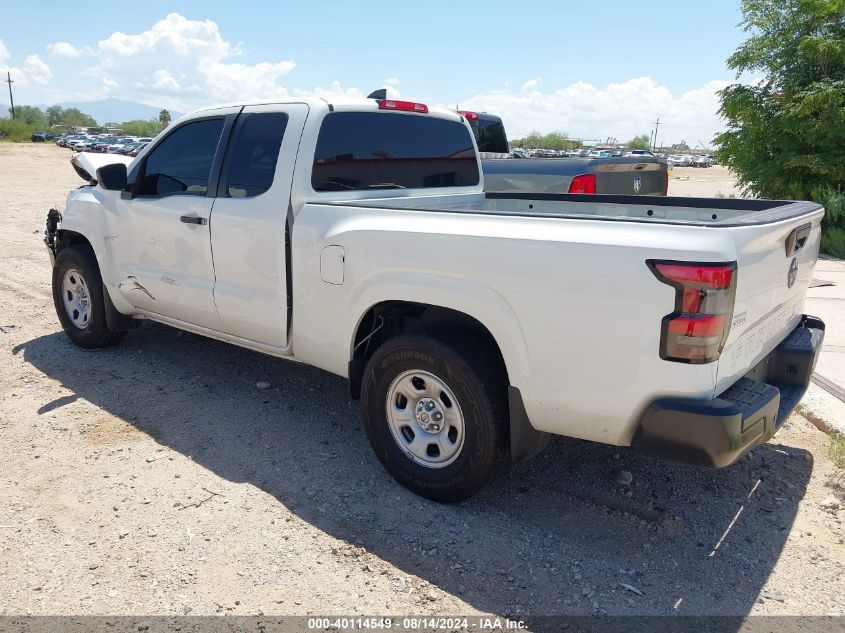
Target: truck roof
<point>344,104</point>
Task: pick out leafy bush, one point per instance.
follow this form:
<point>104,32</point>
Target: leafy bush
<point>833,224</point>
<point>15,130</point>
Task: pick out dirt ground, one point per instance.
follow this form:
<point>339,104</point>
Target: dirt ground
<point>701,182</point>
<point>155,478</point>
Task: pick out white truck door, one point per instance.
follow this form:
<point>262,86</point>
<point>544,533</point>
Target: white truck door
<point>248,222</point>
<point>164,253</point>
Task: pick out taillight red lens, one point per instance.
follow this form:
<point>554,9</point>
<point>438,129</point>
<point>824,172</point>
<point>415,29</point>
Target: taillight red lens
<point>405,106</point>
<point>469,116</point>
<point>704,299</point>
<point>695,275</point>
<point>583,183</point>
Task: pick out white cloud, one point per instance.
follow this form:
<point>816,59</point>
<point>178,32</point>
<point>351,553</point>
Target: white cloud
<point>620,110</point>
<point>240,81</point>
<point>390,84</point>
<point>335,91</point>
<point>33,72</point>
<point>4,52</point>
<point>64,49</point>
<point>531,84</point>
<point>164,81</point>
<point>36,70</point>
<point>189,58</point>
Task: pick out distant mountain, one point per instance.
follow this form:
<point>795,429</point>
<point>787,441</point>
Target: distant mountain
<point>116,110</point>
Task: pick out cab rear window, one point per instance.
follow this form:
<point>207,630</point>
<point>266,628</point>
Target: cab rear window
<point>380,150</point>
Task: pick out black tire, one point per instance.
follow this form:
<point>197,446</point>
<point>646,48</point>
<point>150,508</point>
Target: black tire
<point>468,368</point>
<point>95,332</point>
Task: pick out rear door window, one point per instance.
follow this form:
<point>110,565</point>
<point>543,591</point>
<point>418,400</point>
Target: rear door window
<point>385,150</point>
<point>255,150</point>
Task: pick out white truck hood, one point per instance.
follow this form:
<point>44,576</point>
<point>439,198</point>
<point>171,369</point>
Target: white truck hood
<point>86,164</point>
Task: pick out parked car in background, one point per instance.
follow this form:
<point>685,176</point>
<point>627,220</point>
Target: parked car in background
<point>118,146</point>
<point>101,144</point>
<point>136,149</point>
<point>703,161</point>
<point>41,137</point>
<point>67,139</point>
<point>592,172</point>
<point>677,160</point>
<point>84,144</point>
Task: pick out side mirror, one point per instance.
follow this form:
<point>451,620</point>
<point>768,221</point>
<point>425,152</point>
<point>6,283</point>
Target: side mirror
<point>112,177</point>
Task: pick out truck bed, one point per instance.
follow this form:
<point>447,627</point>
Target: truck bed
<point>573,269</point>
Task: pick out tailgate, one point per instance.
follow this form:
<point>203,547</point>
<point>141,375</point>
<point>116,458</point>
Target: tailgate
<point>631,177</point>
<point>775,265</point>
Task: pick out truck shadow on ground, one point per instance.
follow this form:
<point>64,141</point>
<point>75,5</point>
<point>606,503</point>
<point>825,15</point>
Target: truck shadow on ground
<point>556,535</point>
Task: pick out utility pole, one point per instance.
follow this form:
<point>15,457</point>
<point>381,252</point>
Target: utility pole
<point>656,127</point>
<point>10,81</point>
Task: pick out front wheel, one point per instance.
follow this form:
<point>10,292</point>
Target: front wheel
<point>78,297</point>
<point>435,413</point>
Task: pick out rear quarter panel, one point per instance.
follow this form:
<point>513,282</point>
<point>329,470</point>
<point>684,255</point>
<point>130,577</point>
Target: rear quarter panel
<point>572,304</point>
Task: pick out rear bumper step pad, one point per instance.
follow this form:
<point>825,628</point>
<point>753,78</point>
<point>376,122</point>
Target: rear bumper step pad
<point>719,431</point>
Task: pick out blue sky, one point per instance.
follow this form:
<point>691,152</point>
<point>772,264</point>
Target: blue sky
<point>593,69</point>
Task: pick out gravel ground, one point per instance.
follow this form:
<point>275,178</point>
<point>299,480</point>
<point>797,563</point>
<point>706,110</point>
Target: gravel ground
<point>155,478</point>
<point>701,182</point>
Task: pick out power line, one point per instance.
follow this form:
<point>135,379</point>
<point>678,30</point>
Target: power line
<point>10,81</point>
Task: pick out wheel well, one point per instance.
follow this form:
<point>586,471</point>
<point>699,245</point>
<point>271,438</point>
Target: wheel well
<point>71,238</point>
<point>390,318</point>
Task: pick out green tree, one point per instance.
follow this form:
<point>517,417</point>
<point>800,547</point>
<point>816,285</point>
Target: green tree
<point>140,127</point>
<point>54,114</point>
<point>164,118</point>
<point>552,140</point>
<point>75,118</point>
<point>785,133</point>
<point>639,142</point>
<point>31,116</point>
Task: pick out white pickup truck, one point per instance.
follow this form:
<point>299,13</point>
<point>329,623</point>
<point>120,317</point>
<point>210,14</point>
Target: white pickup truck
<point>355,236</point>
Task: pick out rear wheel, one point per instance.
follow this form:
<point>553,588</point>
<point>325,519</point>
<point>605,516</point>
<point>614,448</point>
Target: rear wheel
<point>78,297</point>
<point>436,415</point>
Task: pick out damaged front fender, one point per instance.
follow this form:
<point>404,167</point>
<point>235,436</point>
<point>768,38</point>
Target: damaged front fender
<point>54,218</point>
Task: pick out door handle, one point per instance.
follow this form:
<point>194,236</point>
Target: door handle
<point>797,238</point>
<point>193,219</point>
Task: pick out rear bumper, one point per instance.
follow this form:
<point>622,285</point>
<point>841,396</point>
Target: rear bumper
<point>717,432</point>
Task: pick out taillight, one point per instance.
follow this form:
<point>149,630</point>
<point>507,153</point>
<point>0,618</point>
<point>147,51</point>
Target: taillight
<point>666,182</point>
<point>405,106</point>
<point>584,183</point>
<point>469,116</point>
<point>704,301</point>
